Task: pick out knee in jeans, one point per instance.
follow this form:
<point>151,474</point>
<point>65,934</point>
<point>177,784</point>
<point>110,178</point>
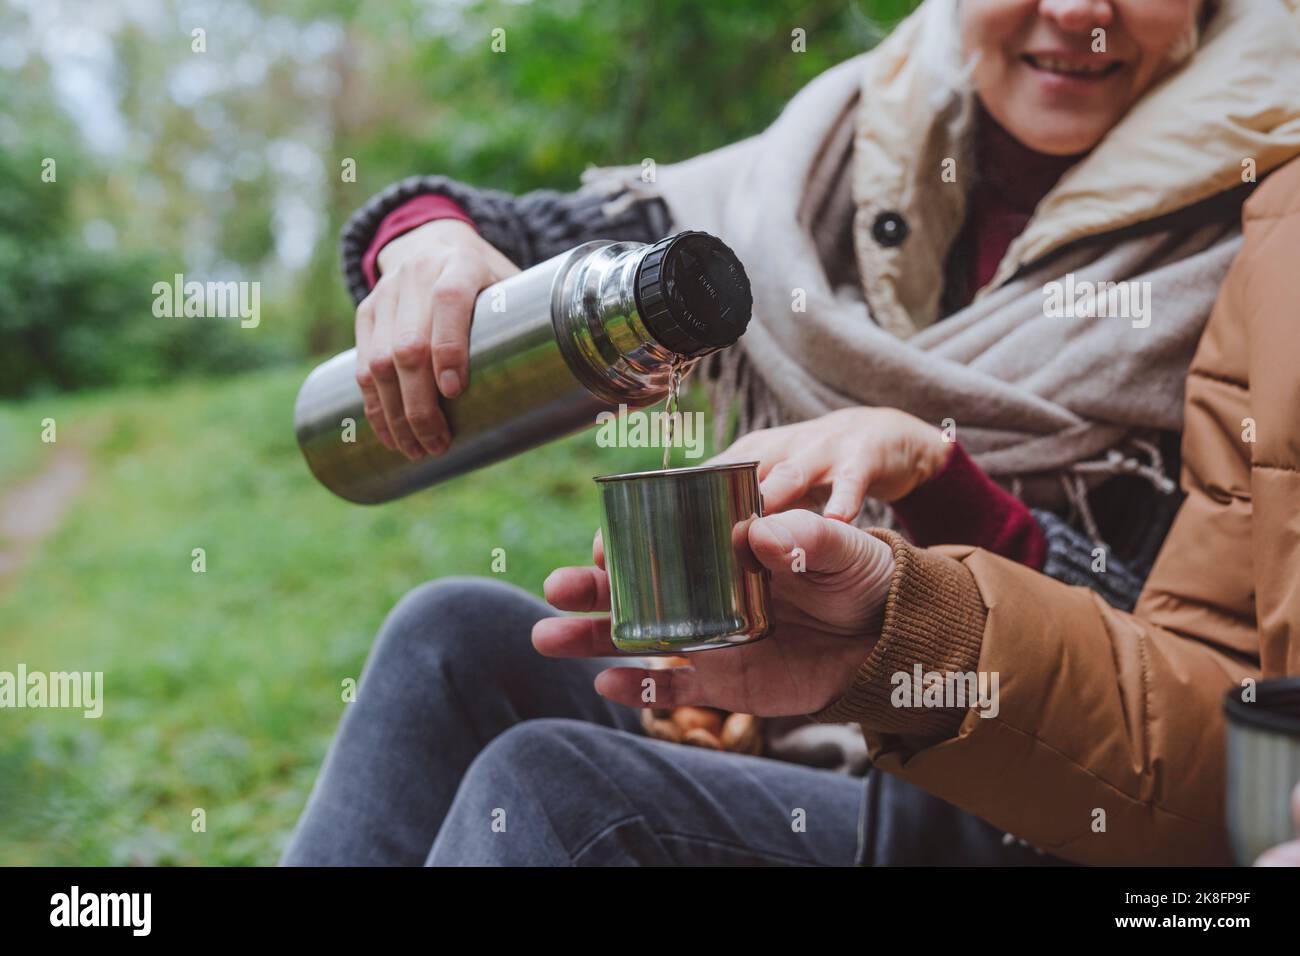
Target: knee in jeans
<point>462,616</point>
<point>538,783</point>
<point>545,746</point>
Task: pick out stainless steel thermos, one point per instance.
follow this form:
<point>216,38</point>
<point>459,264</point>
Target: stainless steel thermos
<point>550,348</point>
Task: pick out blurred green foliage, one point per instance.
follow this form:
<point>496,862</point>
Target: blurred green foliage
<point>73,317</point>
<point>223,688</point>
<point>227,162</point>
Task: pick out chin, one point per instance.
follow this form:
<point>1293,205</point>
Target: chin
<point>1067,138</point>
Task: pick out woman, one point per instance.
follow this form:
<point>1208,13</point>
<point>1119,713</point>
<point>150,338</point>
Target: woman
<point>921,192</point>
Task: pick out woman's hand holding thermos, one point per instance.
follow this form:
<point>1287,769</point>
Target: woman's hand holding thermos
<point>413,331</point>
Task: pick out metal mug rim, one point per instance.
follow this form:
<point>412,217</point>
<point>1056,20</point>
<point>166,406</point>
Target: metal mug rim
<point>1276,708</point>
<point>674,472</point>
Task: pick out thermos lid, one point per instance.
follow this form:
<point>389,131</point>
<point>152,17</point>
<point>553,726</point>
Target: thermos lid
<point>693,294</point>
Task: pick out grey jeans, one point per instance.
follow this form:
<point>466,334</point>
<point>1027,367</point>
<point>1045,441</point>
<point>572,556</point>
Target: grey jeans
<point>466,747</point>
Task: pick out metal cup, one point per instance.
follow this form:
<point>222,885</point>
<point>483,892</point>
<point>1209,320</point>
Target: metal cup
<point>675,552</point>
<point>1263,765</point>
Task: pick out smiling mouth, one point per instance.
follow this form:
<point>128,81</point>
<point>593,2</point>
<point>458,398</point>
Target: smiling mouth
<point>1081,69</point>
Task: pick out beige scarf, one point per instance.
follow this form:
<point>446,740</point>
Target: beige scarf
<point>840,319</point>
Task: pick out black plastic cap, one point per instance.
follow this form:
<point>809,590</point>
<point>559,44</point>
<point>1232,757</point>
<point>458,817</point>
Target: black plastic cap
<point>693,294</point>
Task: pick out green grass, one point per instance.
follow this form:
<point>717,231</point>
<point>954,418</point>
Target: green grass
<point>21,447</point>
<point>222,689</point>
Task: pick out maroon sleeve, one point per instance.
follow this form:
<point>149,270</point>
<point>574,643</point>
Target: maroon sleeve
<point>962,505</point>
<point>411,214</point>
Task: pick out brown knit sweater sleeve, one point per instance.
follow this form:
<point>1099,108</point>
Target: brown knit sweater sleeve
<point>934,617</point>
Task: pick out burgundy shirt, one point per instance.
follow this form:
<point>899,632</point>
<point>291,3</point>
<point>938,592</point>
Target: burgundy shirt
<point>410,214</point>
<point>1010,180</point>
<point>961,504</point>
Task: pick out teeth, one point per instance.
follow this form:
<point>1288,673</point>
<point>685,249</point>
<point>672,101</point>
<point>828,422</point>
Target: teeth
<point>1062,66</point>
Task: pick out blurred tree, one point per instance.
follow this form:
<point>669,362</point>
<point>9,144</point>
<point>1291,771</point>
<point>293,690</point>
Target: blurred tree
<point>229,159</point>
<point>73,316</point>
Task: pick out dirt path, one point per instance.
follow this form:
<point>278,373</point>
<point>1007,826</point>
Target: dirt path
<point>32,510</point>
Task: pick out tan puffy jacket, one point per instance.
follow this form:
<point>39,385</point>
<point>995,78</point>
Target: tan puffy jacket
<point>1108,743</point>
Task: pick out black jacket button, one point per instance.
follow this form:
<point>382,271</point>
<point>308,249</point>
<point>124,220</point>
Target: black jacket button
<point>889,229</point>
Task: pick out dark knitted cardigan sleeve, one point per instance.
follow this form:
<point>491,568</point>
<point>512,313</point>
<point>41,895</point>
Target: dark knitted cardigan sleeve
<point>1072,558</point>
<point>527,229</point>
